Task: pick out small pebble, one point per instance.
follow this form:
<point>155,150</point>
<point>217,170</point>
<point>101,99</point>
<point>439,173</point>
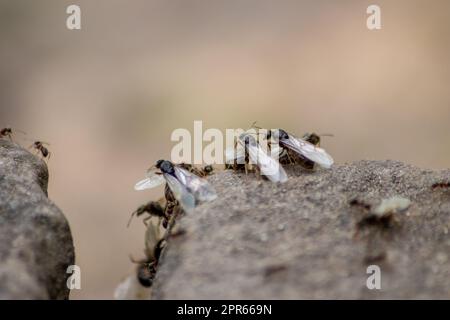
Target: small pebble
<point>264,237</point>
<point>441,257</point>
<point>392,205</point>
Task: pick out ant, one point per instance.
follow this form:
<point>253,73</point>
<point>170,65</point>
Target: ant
<point>155,243</point>
<point>146,270</point>
<point>8,132</point>
<point>153,208</point>
<point>39,146</point>
<point>439,185</point>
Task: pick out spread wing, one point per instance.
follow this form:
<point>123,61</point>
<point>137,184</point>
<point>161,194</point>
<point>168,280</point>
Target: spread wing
<point>232,154</point>
<point>153,180</point>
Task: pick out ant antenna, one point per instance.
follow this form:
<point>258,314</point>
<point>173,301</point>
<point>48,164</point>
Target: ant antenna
<point>255,126</point>
<point>131,218</point>
<point>20,131</point>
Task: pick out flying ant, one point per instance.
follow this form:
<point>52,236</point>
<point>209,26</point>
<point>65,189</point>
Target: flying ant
<point>183,187</point>
<point>315,140</point>
<point>248,153</point>
<point>265,164</point>
<point>304,151</point>
<point>237,157</point>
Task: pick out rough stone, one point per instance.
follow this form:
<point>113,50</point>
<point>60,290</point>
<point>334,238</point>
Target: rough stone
<point>36,244</point>
<point>305,240</point>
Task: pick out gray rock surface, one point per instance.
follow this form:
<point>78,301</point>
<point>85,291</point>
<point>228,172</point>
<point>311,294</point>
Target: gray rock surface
<point>304,240</point>
<point>36,244</point>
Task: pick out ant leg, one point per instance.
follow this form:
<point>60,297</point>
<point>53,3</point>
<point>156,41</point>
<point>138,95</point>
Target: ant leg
<point>290,158</point>
<point>131,218</point>
<point>167,214</point>
<point>258,173</point>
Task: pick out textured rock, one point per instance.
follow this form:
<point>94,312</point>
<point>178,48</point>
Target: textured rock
<point>35,240</point>
<point>304,239</point>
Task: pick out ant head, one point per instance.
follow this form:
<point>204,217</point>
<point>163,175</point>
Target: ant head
<point>165,166</point>
<point>277,134</point>
<point>144,275</point>
<point>208,169</point>
<point>282,135</point>
<point>159,163</point>
<point>313,138</point>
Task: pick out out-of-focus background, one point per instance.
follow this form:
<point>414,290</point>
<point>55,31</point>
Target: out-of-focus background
<point>107,97</point>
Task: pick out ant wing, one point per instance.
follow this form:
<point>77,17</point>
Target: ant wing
<point>276,150</point>
<point>309,151</point>
<point>232,154</point>
<point>180,192</point>
<point>199,187</point>
<point>153,180</point>
<point>269,167</point>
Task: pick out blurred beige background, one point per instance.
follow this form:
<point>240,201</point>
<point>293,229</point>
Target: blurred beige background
<point>107,97</point>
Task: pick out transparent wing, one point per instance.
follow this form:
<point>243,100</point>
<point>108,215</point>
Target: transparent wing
<point>232,154</point>
<point>276,150</point>
<point>186,200</point>
<point>199,187</point>
<point>309,151</point>
<point>153,180</point>
<point>269,167</point>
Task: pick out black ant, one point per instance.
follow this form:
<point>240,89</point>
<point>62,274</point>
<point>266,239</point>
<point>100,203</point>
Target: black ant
<point>439,185</point>
<point>146,269</point>
<point>39,146</point>
<point>6,132</point>
<point>153,208</point>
